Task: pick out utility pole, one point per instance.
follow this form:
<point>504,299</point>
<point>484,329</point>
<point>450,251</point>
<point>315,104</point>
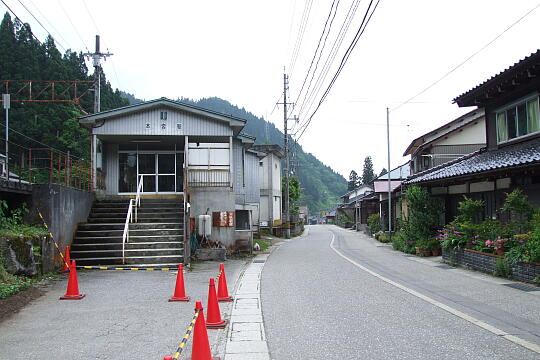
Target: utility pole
<point>286,145</point>
<point>96,59</point>
<point>389,173</point>
<point>6,99</point>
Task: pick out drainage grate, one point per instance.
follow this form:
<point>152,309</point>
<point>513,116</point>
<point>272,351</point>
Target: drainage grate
<point>260,261</point>
<point>523,287</point>
<point>447,267</point>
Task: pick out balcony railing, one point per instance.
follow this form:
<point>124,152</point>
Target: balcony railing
<point>209,177</point>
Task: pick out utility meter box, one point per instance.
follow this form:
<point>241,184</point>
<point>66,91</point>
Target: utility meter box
<point>204,226</point>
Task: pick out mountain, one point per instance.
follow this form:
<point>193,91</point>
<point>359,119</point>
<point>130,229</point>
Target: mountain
<point>321,186</point>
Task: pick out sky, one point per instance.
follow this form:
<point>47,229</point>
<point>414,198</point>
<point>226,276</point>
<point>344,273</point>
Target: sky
<point>239,51</point>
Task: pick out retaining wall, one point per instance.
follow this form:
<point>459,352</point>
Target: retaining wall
<point>63,209</point>
<point>486,262</point>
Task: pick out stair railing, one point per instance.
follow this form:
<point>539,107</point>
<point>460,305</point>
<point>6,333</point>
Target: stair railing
<point>125,235</point>
<point>140,189</point>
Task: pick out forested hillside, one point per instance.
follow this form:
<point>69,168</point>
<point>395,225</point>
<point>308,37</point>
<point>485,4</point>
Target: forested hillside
<point>321,185</point>
<point>22,57</point>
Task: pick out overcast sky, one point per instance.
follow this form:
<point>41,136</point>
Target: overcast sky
<point>237,50</point>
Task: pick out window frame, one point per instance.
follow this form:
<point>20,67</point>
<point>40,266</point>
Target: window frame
<point>515,105</point>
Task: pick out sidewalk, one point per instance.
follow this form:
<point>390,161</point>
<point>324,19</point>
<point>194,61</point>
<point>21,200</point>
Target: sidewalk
<point>125,315</point>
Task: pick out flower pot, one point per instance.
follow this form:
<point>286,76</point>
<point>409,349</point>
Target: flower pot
<point>436,252</point>
<point>426,253</point>
<point>417,249</point>
<point>499,252</point>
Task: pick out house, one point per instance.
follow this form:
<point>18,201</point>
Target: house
<point>303,213</point>
<point>179,159</point>
<point>270,186</point>
<point>380,185</point>
<point>459,137</point>
<point>511,158</point>
<point>351,204</point>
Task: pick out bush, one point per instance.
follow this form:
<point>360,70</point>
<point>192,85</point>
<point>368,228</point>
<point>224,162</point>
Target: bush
<point>423,218</point>
<point>398,242</point>
<point>502,268</point>
<point>374,222</point>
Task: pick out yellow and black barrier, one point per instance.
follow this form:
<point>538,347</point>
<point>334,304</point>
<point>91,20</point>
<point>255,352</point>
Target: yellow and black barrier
<point>186,335</point>
<point>52,237</point>
<point>125,268</point>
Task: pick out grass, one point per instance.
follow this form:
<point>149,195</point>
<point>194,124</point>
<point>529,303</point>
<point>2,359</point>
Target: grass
<point>262,243</point>
<point>18,231</point>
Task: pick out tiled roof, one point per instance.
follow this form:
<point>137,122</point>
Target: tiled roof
<point>507,157</point>
<point>531,59</point>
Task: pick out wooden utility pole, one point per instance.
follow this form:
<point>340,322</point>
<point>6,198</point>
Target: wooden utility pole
<point>286,145</point>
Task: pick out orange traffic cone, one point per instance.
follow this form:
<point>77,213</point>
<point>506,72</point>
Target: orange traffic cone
<point>67,259</point>
<point>213,320</point>
<point>201,347</point>
<point>179,290</point>
<point>72,292</point>
<point>223,292</point>
<point>168,358</point>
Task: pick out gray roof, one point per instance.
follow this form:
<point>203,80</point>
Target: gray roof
<point>520,154</point>
<point>401,172</point>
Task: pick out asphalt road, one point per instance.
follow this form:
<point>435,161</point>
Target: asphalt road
<point>125,315</point>
<point>318,305</point>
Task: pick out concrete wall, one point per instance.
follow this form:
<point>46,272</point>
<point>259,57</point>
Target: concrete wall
<point>63,208</point>
<point>214,199</point>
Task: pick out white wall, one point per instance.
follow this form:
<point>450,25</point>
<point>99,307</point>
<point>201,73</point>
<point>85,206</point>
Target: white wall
<point>471,134</point>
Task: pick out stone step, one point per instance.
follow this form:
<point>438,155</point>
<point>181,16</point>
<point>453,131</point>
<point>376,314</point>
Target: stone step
<point>140,210</point>
<point>133,239</point>
<point>132,232</point>
<point>132,226</point>
<point>84,254</point>
<point>170,260</point>
<point>124,205</point>
<point>76,247</point>
<point>156,218</point>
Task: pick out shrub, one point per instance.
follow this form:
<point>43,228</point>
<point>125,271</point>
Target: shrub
<point>502,268</point>
<point>423,218</point>
<point>398,242</point>
<point>374,222</point>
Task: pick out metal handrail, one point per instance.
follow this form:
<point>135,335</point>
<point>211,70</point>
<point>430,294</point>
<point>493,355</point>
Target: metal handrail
<point>140,189</point>
<point>125,235</point>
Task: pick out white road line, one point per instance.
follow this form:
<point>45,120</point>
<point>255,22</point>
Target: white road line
<point>471,319</point>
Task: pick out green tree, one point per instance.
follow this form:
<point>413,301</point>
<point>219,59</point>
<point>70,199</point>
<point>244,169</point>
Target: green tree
<point>353,181</point>
<point>383,172</point>
<point>368,175</point>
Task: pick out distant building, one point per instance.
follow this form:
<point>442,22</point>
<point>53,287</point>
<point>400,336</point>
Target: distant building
<point>397,176</point>
<point>270,215</point>
<point>459,137</point>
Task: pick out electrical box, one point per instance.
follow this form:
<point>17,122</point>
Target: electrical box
<point>204,226</point>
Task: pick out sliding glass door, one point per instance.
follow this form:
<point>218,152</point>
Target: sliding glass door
<point>161,172</point>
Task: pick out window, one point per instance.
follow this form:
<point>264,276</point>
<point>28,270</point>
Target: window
<point>242,220</point>
<point>518,120</point>
<point>163,115</point>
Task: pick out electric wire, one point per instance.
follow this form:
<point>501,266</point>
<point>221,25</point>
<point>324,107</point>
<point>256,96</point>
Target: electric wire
<point>332,55</point>
<point>72,25</point>
<point>51,25</point>
<point>22,22</point>
<point>358,35</point>
<point>40,24</point>
<point>301,31</point>
<point>467,59</point>
<point>317,50</point>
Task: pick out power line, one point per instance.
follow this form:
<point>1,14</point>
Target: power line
<point>40,24</point>
<point>317,50</point>
<point>22,22</point>
<point>361,29</point>
<point>333,52</point>
<point>51,25</point>
<point>301,30</point>
<point>72,25</point>
<point>467,59</point>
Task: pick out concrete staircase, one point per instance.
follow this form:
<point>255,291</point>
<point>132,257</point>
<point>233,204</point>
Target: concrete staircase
<point>155,240</point>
